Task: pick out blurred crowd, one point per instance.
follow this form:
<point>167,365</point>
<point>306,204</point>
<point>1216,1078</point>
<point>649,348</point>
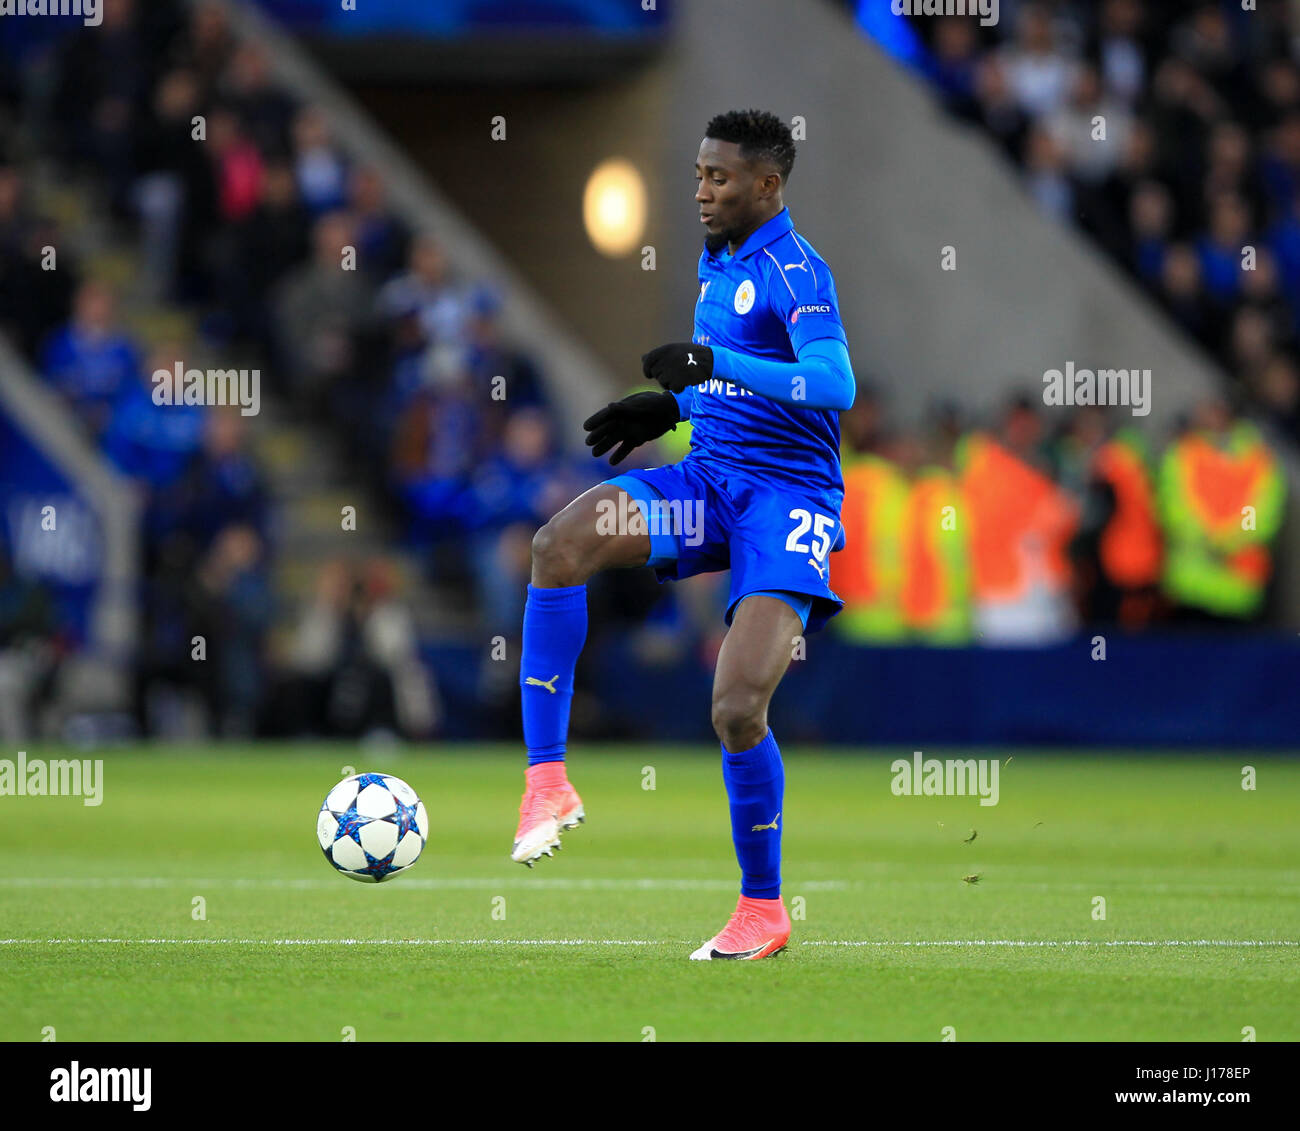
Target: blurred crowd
<point>1025,530</point>
<point>246,214</point>
<point>1169,131</point>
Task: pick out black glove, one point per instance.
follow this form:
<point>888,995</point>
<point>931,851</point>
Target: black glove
<point>678,365</point>
<point>631,422</point>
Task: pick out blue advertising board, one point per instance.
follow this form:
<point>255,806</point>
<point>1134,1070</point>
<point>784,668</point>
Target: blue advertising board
<point>50,529</point>
<point>453,18</point>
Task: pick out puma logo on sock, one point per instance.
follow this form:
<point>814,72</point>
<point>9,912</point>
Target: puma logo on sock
<point>549,684</point>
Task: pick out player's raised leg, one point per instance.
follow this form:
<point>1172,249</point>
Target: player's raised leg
<point>578,542</point>
<point>753,658</point>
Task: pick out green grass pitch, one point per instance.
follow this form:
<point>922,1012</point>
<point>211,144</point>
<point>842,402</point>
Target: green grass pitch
<point>103,938</point>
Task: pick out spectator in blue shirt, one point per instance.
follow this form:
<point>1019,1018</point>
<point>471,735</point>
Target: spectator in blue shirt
<point>223,485</point>
<point>91,360</point>
<point>147,441</point>
<point>511,495</point>
<point>1220,248</point>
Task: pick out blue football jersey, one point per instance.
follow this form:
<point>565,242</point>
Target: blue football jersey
<point>770,298</point>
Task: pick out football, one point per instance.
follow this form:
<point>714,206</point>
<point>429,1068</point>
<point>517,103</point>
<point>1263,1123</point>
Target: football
<point>372,826</point>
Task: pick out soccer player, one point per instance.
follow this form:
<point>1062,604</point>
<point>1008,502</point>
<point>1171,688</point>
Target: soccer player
<point>763,383</point>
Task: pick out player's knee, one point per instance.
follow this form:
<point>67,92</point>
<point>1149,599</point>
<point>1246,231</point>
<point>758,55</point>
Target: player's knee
<point>556,560</point>
<point>740,717</point>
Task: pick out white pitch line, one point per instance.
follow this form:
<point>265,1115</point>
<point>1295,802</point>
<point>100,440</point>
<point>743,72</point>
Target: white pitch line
<point>563,883</point>
<point>422,883</point>
<point>344,942</point>
<point>880,943</point>
<point>1049,942</point>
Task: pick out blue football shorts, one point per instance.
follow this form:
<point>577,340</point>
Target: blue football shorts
<point>774,537</point>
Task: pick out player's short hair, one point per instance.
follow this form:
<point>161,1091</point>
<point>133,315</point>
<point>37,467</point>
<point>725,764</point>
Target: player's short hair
<point>759,134</point>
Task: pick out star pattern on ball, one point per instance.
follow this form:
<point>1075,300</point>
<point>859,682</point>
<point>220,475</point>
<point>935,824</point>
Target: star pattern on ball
<point>350,824</point>
<point>404,819</point>
<point>379,868</point>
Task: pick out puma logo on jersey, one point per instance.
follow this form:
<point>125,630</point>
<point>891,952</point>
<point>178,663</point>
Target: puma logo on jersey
<point>821,569</point>
<point>772,825</point>
<point>795,267</point>
<point>690,359</point>
<point>549,684</point>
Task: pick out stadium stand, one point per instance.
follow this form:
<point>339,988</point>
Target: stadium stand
<point>1170,134</point>
<point>379,393</point>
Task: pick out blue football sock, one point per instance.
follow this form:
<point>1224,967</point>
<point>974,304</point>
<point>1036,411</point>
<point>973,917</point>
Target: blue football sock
<point>755,781</point>
<point>555,628</point>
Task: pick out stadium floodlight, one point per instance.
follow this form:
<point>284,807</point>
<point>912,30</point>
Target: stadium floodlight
<point>614,207</point>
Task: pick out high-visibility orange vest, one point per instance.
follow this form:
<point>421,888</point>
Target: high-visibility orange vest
<point>1130,543</point>
<point>868,572</point>
<point>936,574</point>
<point>1221,505</point>
<point>1020,523</point>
